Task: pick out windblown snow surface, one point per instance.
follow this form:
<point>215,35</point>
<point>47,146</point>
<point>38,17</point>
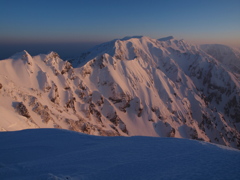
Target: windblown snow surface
<point>135,86</point>
<point>66,155</point>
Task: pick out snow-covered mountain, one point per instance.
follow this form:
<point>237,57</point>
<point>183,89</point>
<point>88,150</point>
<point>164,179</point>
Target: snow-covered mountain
<point>131,86</point>
<point>55,154</point>
<point>228,56</point>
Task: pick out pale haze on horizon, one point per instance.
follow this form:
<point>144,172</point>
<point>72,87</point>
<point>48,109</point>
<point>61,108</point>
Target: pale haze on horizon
<point>70,27</point>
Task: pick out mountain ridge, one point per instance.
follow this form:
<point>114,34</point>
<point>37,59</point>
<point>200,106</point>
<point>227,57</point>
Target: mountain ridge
<point>130,86</point>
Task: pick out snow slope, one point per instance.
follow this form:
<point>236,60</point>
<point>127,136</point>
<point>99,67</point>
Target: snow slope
<point>61,155</point>
<point>228,56</point>
<point>131,86</point>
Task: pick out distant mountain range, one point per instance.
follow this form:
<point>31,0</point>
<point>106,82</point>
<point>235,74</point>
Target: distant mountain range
<point>127,87</point>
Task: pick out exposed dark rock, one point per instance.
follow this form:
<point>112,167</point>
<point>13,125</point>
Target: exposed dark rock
<point>115,119</point>
<point>66,67</point>
<point>140,112</point>
<point>194,134</point>
<point>41,110</point>
<point>115,100</point>
<point>51,56</point>
<point>118,122</point>
<point>86,127</point>
<point>22,110</point>
<point>172,133</point>
<point>232,109</point>
<point>54,95</point>
<point>70,104</point>
<point>95,112</point>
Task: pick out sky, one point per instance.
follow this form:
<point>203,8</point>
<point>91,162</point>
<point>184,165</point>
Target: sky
<point>71,27</point>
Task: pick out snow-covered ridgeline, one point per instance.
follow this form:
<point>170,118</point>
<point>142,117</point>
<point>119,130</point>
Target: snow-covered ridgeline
<point>130,86</point>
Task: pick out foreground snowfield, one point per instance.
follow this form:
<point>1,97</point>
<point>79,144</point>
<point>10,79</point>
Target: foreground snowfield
<point>62,154</point>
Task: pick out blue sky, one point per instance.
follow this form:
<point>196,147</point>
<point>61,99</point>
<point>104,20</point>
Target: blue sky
<point>45,24</point>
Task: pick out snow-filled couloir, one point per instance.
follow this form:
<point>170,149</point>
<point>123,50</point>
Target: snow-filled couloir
<point>131,86</point>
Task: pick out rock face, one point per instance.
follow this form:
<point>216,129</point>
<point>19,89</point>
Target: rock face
<point>131,86</point>
<point>22,110</point>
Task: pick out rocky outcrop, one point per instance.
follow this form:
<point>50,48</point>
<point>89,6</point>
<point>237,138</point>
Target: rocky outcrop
<point>22,110</point>
<point>41,110</point>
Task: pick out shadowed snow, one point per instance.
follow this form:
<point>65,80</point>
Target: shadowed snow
<point>62,154</point>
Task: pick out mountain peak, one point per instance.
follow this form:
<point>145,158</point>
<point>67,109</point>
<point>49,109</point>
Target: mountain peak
<point>25,51</point>
<point>166,38</point>
<point>53,54</point>
<point>21,55</point>
<point>131,37</point>
<point>130,47</point>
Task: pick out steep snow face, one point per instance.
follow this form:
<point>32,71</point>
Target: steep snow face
<point>60,154</point>
<point>44,92</point>
<point>130,86</point>
<point>180,90</point>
